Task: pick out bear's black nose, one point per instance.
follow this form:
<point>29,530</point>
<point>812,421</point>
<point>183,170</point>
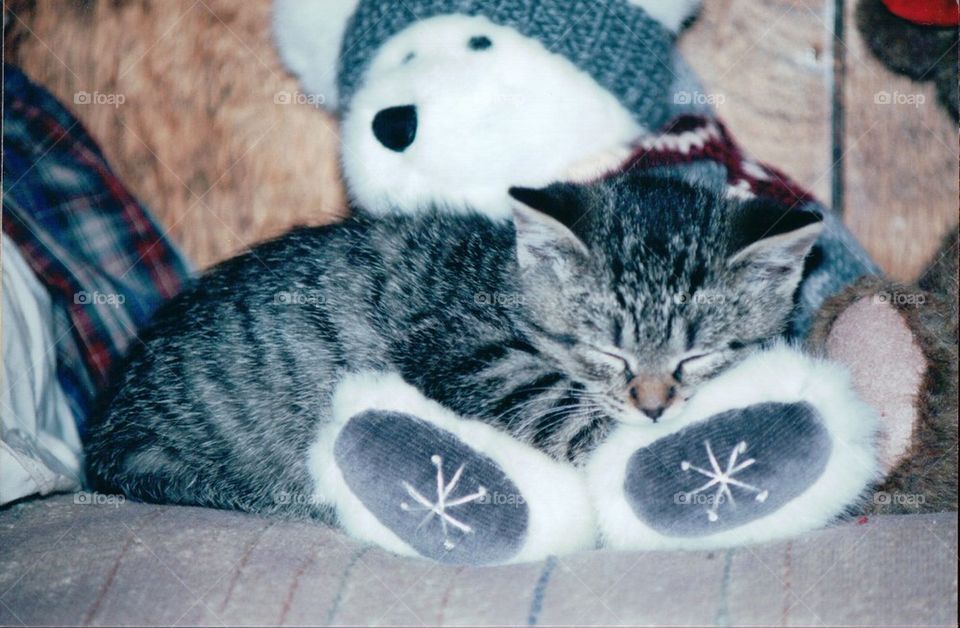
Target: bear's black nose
<point>396,127</point>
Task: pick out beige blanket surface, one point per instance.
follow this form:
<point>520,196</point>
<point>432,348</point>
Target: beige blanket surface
<point>91,560</point>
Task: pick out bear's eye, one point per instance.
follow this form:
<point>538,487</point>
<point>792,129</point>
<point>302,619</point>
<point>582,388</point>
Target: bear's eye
<point>408,57</point>
<point>480,42</point>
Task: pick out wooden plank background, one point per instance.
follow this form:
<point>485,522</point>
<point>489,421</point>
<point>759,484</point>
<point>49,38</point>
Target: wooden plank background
<point>892,169</point>
<point>197,141</point>
<point>900,178</point>
<point>768,66</point>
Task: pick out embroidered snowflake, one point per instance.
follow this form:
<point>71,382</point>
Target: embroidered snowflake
<point>443,503</point>
<point>723,480</point>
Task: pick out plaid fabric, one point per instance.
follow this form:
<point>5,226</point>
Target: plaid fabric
<point>99,252</point>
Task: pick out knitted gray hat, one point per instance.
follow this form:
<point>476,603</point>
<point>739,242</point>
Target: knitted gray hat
<point>618,44</point>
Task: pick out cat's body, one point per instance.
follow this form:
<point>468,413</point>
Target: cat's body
<point>531,328</point>
<point>234,376</point>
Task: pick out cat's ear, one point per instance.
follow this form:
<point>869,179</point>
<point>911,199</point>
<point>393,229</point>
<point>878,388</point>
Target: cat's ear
<point>544,219</point>
<point>769,244</point>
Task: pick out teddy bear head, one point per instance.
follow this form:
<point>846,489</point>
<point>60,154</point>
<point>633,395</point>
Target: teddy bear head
<point>450,102</point>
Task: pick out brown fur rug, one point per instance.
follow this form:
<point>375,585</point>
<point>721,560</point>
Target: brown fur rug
<point>221,165</point>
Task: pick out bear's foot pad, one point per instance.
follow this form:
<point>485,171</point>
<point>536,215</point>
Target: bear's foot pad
<point>438,495</point>
<point>727,470</point>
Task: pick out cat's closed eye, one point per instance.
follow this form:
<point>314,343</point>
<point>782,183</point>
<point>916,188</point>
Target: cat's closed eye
<point>615,359</point>
<point>696,364</point>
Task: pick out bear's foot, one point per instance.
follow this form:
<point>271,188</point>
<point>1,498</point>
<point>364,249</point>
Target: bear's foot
<point>775,447</point>
<point>728,470</point>
<point>409,475</point>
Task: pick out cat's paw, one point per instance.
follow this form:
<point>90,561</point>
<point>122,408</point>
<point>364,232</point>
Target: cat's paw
<point>775,447</point>
<point>407,474</point>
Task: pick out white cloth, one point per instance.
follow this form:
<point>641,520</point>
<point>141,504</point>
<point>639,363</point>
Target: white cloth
<point>40,449</point>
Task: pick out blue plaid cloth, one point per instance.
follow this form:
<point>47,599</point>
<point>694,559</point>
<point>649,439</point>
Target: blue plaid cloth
<point>98,251</point>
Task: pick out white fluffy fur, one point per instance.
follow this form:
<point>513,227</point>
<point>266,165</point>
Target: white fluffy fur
<point>308,34</point>
<point>670,13</point>
<point>514,114</point>
<point>560,515</point>
<point>782,374</point>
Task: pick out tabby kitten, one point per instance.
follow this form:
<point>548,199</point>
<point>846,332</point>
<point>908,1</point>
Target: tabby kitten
<point>599,303</point>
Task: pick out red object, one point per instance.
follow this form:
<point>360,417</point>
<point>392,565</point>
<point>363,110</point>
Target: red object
<point>930,12</point>
<point>862,520</point>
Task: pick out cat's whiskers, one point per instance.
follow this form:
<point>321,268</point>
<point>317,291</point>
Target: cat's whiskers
<point>550,400</point>
<point>569,429</point>
<point>523,419</point>
<point>558,415</point>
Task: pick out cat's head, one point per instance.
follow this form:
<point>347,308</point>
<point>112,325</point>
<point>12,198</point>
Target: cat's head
<point>644,288</point>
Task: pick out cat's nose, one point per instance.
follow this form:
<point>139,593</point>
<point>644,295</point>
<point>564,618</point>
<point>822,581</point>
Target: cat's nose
<point>652,395</point>
<point>653,413</point>
<point>396,127</point>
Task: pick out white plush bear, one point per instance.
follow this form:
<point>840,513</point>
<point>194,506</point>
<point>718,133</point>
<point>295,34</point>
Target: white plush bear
<point>456,105</point>
<point>449,103</point>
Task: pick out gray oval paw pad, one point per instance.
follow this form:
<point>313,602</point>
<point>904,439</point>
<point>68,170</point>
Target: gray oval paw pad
<point>444,499</point>
<point>728,470</point>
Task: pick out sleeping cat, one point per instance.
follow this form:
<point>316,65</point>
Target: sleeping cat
<point>599,303</point>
